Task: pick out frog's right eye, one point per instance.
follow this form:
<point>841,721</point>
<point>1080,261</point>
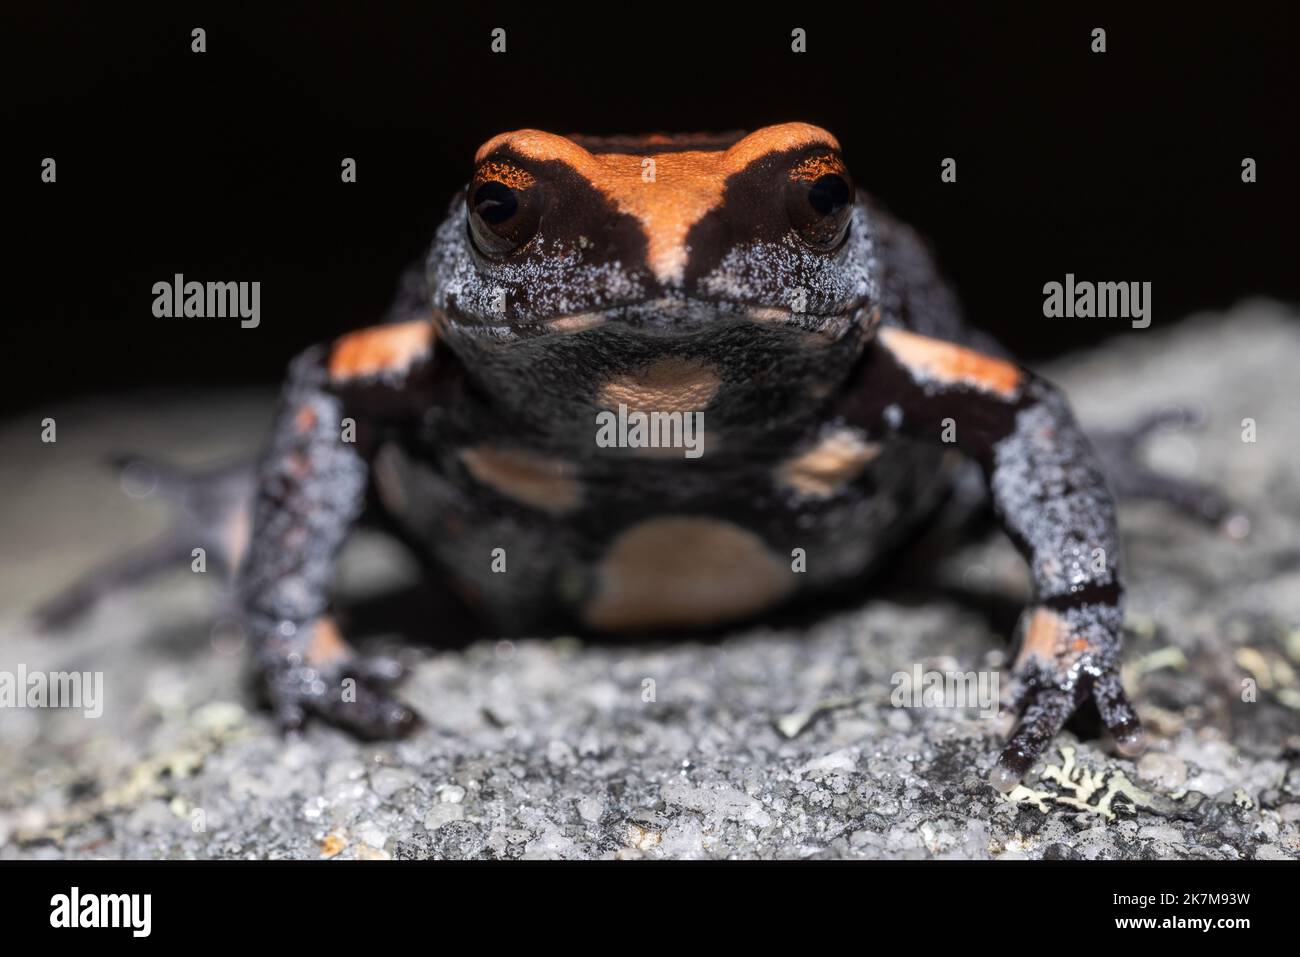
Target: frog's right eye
<point>819,200</point>
<point>504,212</point>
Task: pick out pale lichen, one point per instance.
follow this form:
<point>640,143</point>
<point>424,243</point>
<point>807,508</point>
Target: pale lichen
<point>1083,789</point>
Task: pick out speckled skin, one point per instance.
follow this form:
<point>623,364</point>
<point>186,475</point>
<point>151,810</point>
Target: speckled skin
<point>838,386</point>
<point>541,393</point>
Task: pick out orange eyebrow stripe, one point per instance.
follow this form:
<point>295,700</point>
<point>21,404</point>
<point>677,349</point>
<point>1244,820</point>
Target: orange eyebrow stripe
<point>777,139</point>
<point>393,348</point>
<point>540,145</point>
<point>952,364</point>
<point>505,173</point>
<point>685,185</point>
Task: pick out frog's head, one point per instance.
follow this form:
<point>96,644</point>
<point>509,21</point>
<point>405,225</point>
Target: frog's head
<point>557,233</point>
<point>645,247</point>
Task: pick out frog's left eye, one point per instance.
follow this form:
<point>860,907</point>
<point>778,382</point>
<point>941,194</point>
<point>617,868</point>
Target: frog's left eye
<point>504,212</point>
<point>819,201</point>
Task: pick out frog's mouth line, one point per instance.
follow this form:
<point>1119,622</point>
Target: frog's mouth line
<point>678,317</point>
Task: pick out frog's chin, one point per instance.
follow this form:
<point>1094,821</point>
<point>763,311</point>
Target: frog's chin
<point>676,317</point>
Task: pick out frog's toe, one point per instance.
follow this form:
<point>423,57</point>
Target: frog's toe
<point>364,705</point>
<point>1130,478</point>
<point>362,709</point>
<point>381,671</point>
<point>1118,715</point>
<point>1004,779</point>
<point>1046,711</point>
<point>289,715</point>
<point>1045,703</point>
<point>352,693</point>
<point>371,713</point>
<point>1195,499</point>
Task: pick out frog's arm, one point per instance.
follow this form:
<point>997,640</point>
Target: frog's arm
<point>1050,496</point>
<point>310,489</point>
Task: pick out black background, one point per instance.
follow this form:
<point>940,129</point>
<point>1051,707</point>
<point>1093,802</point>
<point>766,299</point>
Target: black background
<point>279,902</point>
<point>225,165</point>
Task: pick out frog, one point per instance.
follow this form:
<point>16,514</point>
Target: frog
<point>738,281</point>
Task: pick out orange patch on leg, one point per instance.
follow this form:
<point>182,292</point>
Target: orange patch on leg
<point>327,646</point>
<point>304,420</point>
<point>381,349</point>
<point>1045,637</point>
<point>940,361</point>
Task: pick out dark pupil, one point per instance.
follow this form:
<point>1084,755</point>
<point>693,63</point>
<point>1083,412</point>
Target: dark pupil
<point>829,194</point>
<point>495,202</point>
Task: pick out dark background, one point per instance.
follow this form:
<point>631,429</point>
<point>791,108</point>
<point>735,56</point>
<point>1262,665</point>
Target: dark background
<point>225,165</point>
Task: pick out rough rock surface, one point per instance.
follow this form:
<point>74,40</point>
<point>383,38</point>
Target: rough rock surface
<point>772,742</point>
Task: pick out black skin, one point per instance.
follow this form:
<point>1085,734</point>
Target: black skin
<point>1047,486</point>
<point>288,574</point>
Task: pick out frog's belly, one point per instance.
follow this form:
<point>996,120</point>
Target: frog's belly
<point>652,545</point>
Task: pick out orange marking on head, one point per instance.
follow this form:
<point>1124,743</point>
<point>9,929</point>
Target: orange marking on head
<point>685,185</point>
<point>380,349</point>
<point>942,361</point>
<point>815,167</point>
<point>505,173</point>
<point>576,323</point>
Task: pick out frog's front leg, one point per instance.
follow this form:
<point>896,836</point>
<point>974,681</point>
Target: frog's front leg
<point>1050,496</point>
<point>310,489</point>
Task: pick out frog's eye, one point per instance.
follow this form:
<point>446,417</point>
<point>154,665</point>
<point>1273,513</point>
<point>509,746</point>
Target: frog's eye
<point>504,211</point>
<point>819,201</point>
